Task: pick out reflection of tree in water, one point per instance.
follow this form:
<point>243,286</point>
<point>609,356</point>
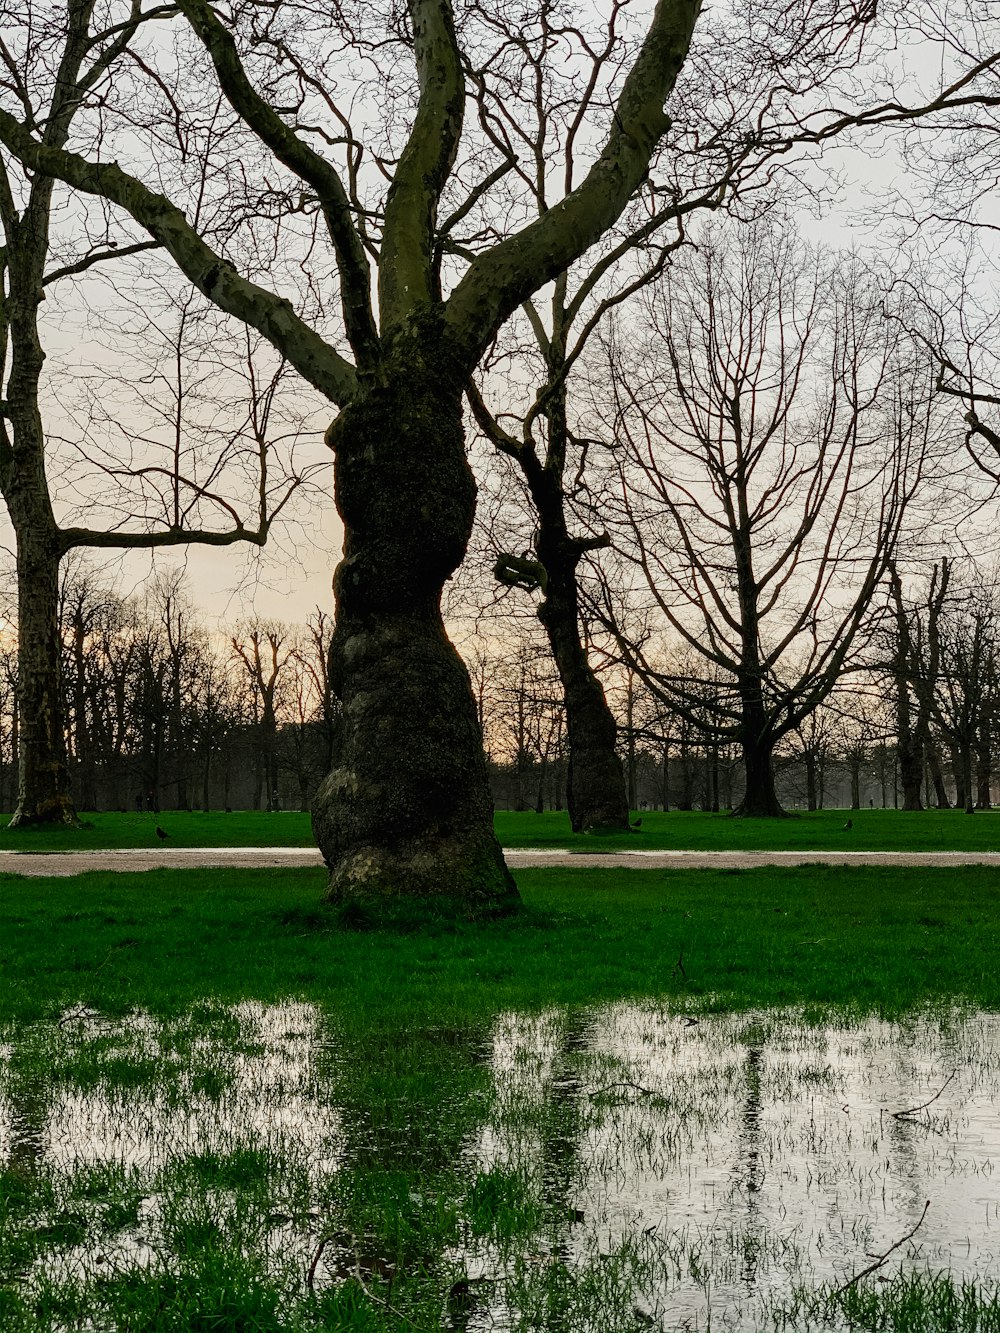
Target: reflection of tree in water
<point>750,1165</point>
<point>29,1094</point>
<point>410,1102</point>
<point>561,1127</point>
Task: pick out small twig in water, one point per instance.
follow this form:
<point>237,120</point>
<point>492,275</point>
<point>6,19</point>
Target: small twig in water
<point>81,1015</point>
<point>898,1115</point>
<point>311,1275</point>
<point>880,1260</point>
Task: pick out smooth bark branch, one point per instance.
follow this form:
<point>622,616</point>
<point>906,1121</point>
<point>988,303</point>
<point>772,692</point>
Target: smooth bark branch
<point>97,257</point>
<point>146,541</point>
<point>406,274</point>
<point>214,276</point>
<point>501,279</point>
<point>308,165</point>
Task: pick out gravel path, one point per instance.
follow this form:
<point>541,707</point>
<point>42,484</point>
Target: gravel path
<point>180,858</point>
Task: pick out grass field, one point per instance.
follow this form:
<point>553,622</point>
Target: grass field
<point>878,938</point>
<point>181,1157</point>
<point>874,937</point>
<point>873,830</point>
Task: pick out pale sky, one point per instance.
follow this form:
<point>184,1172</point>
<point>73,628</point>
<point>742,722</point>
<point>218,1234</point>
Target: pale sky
<point>293,574</point>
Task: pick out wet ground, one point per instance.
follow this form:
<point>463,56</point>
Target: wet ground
<point>647,1167</point>
<point>179,858</point>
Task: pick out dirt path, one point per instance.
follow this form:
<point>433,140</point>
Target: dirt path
<point>180,858</point>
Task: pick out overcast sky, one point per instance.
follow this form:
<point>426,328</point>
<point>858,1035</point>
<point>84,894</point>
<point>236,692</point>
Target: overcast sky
<point>293,575</point>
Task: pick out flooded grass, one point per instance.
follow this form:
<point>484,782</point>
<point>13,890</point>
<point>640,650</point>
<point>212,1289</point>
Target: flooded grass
<point>245,1119</point>
<point>623,1167</point>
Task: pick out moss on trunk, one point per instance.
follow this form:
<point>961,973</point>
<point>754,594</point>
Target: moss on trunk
<point>406,810</point>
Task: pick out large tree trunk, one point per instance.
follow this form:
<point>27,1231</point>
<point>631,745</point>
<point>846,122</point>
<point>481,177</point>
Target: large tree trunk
<point>910,752</point>
<point>937,778</point>
<point>43,778</point>
<point>909,748</point>
<point>854,763</point>
<point>406,811</point>
<point>760,799</point>
<point>596,795</point>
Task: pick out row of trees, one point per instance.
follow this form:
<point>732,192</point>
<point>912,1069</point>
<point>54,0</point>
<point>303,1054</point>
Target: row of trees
<point>378,194</point>
<point>163,713</point>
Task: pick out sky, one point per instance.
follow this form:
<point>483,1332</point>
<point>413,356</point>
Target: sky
<point>293,574</point>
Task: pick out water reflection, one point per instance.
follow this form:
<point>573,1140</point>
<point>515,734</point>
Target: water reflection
<point>745,1155</point>
<point>618,1168</point>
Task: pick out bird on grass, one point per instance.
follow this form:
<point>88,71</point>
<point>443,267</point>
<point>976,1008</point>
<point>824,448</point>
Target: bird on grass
<point>637,824</point>
<point>848,826</point>
<point>162,834</point>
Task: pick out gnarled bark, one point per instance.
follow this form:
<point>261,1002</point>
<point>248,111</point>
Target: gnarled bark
<point>406,809</point>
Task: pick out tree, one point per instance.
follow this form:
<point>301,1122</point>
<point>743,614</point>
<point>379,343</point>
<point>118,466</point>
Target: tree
<point>264,652</point>
<point>966,689</point>
<point>814,735</point>
<point>406,808</point>
<point>745,113</point>
<point>730,130</point>
<point>53,93</point>
<point>768,442</point>
<point>914,665</point>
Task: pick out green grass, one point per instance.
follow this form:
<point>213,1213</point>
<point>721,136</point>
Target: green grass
<point>401,1078</point>
<point>823,830</point>
<point>109,830</point>
<point>880,938</point>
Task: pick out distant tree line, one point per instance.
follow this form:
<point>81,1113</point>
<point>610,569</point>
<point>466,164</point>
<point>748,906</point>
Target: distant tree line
<point>162,714</point>
<point>165,714</point>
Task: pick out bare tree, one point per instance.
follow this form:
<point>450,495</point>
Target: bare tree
<point>767,446</point>
<point>915,664</point>
<point>411,759</point>
<point>265,652</point>
<point>966,689</point>
<point>59,65</point>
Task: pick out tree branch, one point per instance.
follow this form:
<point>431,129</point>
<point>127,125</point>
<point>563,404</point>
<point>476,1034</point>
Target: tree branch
<point>406,271</point>
<point>499,280</point>
<point>214,276</point>
<point>308,165</point>
<point>98,257</point>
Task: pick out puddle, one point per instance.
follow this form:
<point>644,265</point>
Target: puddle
<point>239,1081</point>
<point>649,1169</point>
<point>724,1162</point>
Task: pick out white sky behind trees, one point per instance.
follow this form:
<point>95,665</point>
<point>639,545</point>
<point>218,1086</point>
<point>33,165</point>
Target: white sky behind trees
<point>860,188</point>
